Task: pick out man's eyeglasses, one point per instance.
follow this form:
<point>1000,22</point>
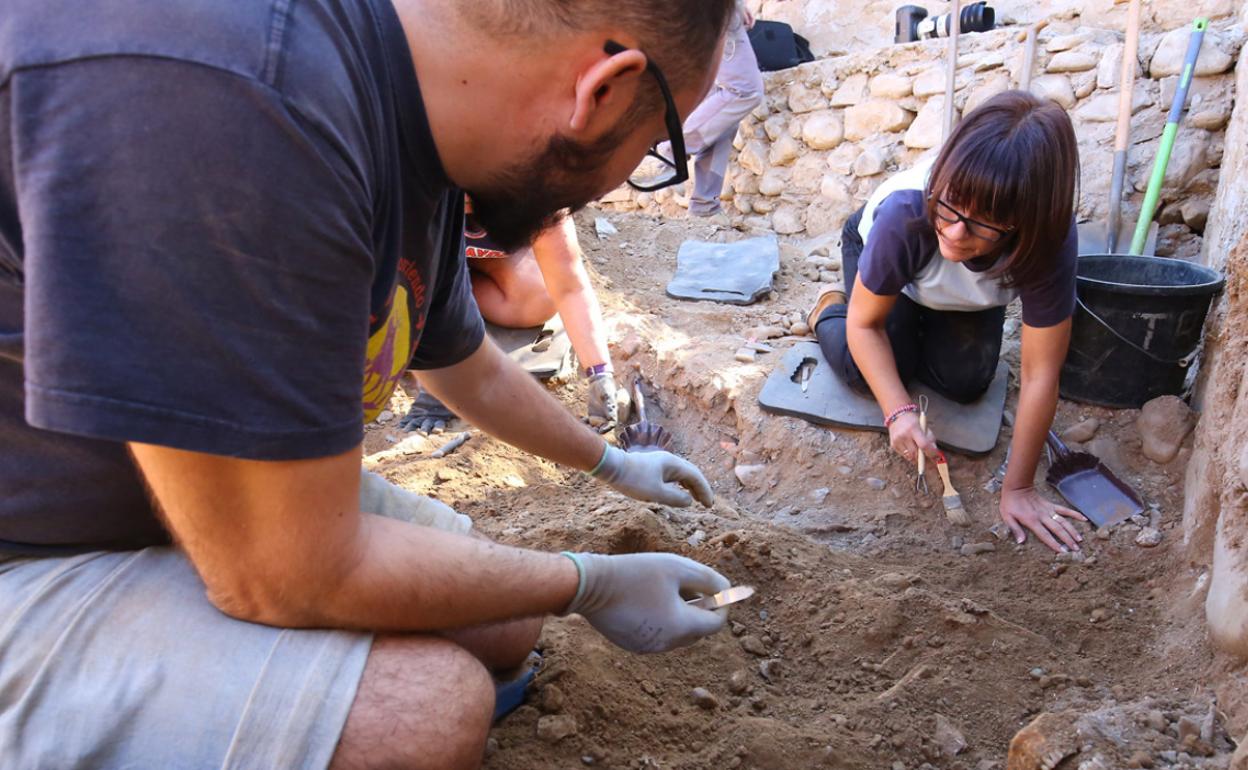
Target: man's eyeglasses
<point>990,233</point>
<point>674,170</point>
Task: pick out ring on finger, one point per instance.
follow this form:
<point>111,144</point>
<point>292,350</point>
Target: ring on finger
<point>1055,516</point>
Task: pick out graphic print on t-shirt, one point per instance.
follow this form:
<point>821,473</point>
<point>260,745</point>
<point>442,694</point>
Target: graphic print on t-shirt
<point>390,347</point>
<point>477,243</point>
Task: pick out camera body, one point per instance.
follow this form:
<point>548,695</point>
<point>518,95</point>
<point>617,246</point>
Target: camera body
<point>914,23</point>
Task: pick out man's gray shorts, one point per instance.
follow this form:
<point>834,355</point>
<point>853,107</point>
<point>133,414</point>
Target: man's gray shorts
<point>117,659</point>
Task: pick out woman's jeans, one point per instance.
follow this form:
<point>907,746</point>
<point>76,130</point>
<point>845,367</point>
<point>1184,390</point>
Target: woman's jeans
<point>953,352</point>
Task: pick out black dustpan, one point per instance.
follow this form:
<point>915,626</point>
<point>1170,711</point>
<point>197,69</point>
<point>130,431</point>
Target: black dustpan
<point>1088,486</point>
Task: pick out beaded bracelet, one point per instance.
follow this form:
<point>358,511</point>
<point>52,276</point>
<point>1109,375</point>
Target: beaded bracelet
<point>899,411</point>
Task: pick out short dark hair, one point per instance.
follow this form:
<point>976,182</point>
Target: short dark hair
<point>678,36</point>
<point>1013,161</point>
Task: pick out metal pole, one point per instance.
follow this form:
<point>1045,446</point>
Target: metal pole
<point>955,26</point>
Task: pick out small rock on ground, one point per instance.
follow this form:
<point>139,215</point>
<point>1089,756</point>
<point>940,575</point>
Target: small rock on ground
<point>553,728</point>
<point>948,738</point>
<point>877,484</point>
<point>754,646</point>
<point>703,699</point>
<point>1149,537</point>
<point>1081,432</point>
<point>973,549</point>
<point>1163,424</point>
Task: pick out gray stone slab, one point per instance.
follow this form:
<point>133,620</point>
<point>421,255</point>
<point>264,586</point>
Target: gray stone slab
<point>528,347</point>
<point>968,428</point>
<point>734,273</point>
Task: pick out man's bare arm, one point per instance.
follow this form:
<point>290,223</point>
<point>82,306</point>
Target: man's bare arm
<point>559,258</point>
<point>284,543</point>
<point>494,393</point>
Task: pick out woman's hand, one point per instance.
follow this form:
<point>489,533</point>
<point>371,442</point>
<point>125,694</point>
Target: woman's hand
<point>908,439</point>
<point>1050,522</point>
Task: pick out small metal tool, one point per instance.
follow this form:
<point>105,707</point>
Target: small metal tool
<point>723,598</point>
<point>808,371</point>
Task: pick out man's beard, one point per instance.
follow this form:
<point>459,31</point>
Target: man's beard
<point>538,192</point>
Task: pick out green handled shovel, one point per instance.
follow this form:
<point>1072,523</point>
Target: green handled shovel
<point>1153,193</point>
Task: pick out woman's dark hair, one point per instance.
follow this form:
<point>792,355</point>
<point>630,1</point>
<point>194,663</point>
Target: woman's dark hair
<point>1013,161</point>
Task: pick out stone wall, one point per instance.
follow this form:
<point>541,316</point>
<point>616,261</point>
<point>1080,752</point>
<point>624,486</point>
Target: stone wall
<point>837,27</point>
<point>1215,515</point>
<point>828,132</point>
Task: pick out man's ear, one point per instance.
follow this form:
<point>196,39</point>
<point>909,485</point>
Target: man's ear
<point>606,90</point>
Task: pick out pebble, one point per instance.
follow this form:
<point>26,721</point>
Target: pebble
<point>1099,615</point>
<point>1082,432</point>
<point>491,746</point>
<point>385,416</point>
<point>552,699</point>
<point>820,494</point>
<point>512,480</point>
<point>1188,726</point>
<point>749,475</point>
<point>876,484</point>
<point>974,549</point>
<point>799,329</point>
<point>753,645</point>
<point>1102,533</point>
<point>1140,759</point>
<point>1037,672</point>
<point>553,728</point>
<point>1149,537</point>
<point>948,738</point>
<point>844,470</point>
<point>703,699</point>
<point>771,669</point>
<point>739,682</point>
<point>765,332</point>
<point>744,355</point>
<point>759,347</point>
<point>603,227</point>
<point>696,538</point>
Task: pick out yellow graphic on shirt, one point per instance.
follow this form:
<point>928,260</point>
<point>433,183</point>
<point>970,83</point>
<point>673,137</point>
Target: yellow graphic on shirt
<point>388,351</point>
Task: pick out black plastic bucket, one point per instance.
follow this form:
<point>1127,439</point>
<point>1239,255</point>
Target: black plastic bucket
<point>1137,326</point>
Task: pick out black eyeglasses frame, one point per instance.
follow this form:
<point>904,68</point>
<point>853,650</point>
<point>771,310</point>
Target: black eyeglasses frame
<point>996,234</point>
<point>675,132</point>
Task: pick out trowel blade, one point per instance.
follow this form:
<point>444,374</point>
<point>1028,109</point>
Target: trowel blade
<point>723,598</point>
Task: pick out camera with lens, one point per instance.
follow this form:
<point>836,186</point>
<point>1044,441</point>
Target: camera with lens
<point>913,22</point>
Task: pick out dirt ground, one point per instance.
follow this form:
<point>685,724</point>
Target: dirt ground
<point>877,639</point>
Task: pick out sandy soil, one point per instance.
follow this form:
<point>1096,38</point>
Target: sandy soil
<point>875,640</point>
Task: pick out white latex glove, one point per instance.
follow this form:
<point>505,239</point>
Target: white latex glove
<point>637,601</point>
<point>600,402</point>
<point>654,476</point>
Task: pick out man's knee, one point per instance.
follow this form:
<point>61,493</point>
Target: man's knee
<point>423,702</point>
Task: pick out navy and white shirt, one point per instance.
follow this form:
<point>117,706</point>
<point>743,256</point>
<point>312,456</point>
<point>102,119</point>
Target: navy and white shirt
<point>203,206</point>
<point>901,255</point>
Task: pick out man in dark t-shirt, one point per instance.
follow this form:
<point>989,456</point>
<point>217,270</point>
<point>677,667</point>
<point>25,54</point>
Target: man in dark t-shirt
<point>203,206</point>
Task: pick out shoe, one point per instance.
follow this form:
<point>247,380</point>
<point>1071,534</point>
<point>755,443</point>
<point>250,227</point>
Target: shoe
<point>510,693</point>
<point>829,294</point>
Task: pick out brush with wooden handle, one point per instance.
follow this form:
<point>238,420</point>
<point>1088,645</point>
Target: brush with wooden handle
<point>952,500</point>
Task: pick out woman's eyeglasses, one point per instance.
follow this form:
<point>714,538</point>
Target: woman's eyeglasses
<point>990,233</point>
